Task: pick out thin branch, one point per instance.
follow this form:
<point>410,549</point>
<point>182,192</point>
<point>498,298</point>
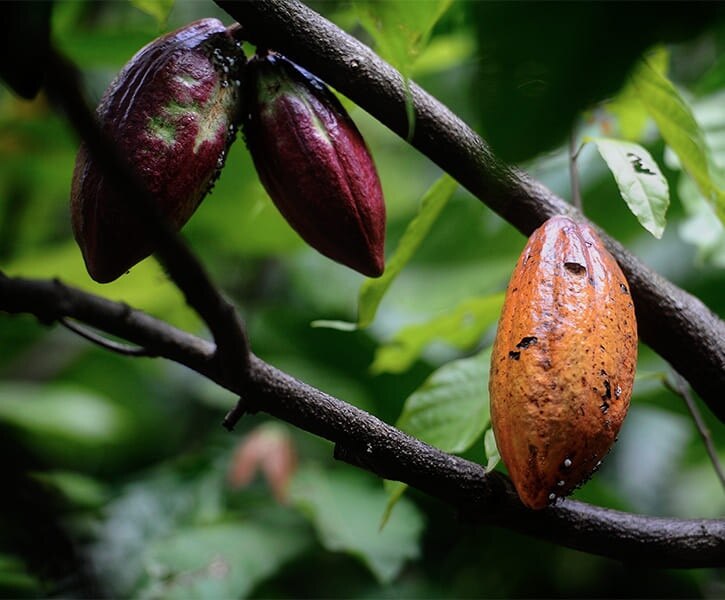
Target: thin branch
<point>576,195</point>
<point>367,442</point>
<point>232,417</point>
<point>679,386</point>
<point>63,87</point>
<point>674,323</point>
<point>103,342</point>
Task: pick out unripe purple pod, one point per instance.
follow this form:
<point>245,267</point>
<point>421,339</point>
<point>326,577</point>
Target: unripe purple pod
<point>314,163</point>
<point>172,112</point>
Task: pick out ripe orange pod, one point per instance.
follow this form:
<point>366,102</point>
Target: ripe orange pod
<point>563,361</point>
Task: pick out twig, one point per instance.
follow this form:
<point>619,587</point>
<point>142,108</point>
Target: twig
<point>576,196</point>
<point>382,449</point>
<point>185,270</point>
<point>103,342</point>
<point>679,386</point>
<point>232,417</point>
<point>674,323</point>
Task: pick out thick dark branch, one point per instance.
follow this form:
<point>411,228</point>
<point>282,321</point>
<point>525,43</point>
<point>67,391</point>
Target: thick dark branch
<point>363,440</point>
<point>181,264</point>
<point>674,323</point>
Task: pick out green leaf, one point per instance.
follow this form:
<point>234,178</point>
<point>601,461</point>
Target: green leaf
<point>491,449</point>
<point>395,491</point>
<point>626,106</point>
<point>345,507</point>
<point>640,181</point>
<point>701,228</point>
<point>401,29</point>
<point>373,290</point>
<point>222,560</point>
<point>158,9</point>
<point>680,130</point>
<point>61,413</point>
<point>79,489</point>
<point>461,328</point>
<point>450,410</point>
<point>65,424</point>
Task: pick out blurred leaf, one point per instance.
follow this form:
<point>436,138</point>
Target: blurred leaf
<point>701,228</point>
<point>491,448</point>
<point>16,581</point>
<point>222,560</point>
<point>102,47</point>
<point>640,182</point>
<point>61,414</point>
<point>651,444</point>
<point>395,491</point>
<point>444,52</point>
<point>400,28</point>
<point>450,410</point>
<point>158,9</point>
<point>461,328</point>
<point>345,510</point>
<point>680,130</point>
<point>626,106</point>
<point>373,290</point>
<point>78,489</point>
<point>25,44</point>
<point>147,509</point>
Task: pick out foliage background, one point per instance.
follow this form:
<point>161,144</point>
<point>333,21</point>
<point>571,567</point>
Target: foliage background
<point>117,480</point>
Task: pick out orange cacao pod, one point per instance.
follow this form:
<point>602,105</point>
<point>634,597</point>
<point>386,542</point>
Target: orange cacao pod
<point>563,361</point>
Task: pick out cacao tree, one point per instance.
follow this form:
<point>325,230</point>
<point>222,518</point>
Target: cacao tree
<point>357,441</point>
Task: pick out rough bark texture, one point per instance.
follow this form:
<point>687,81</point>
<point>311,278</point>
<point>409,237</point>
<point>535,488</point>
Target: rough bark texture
<point>365,441</point>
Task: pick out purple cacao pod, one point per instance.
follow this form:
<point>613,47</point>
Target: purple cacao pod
<point>172,112</point>
<point>314,163</point>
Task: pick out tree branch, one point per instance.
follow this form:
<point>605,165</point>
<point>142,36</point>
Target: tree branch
<point>674,323</point>
<point>365,441</point>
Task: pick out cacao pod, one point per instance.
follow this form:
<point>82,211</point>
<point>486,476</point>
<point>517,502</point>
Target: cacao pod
<point>563,361</point>
<point>172,112</point>
<point>314,163</point>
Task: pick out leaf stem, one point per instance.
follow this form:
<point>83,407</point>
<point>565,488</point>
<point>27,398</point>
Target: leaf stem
<point>103,342</point>
<point>679,386</point>
<point>576,198</point>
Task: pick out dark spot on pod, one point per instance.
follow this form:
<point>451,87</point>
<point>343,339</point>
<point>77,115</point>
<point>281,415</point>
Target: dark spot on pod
<point>623,288</point>
<point>576,268</point>
<point>515,355</point>
<point>607,395</point>
<point>527,341</point>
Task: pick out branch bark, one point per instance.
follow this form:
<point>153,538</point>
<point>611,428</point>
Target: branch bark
<point>365,441</point>
<point>674,323</point>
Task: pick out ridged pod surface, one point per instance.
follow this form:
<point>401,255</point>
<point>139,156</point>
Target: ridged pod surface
<point>563,361</point>
<point>314,163</point>
<point>172,112</point>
